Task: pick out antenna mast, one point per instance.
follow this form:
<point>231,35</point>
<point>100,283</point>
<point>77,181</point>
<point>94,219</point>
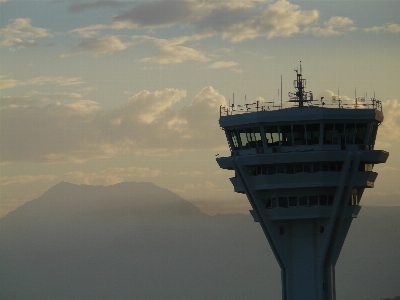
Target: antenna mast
<point>300,95</point>
<point>281,91</point>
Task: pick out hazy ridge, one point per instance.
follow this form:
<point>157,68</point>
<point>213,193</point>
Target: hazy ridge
<point>139,241</point>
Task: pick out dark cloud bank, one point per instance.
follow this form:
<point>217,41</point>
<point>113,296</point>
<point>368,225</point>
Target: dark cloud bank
<point>139,241</point>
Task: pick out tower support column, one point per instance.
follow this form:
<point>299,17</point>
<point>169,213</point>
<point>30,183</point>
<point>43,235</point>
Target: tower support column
<point>306,248</point>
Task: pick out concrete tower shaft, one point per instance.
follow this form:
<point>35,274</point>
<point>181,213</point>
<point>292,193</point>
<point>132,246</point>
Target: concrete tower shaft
<point>304,170</point>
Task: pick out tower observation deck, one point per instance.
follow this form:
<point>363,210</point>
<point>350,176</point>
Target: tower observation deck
<point>304,170</point>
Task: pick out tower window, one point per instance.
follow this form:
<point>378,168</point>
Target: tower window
<point>286,134</point>
<point>312,134</point>
<point>303,201</point>
<point>323,200</point>
<point>283,202</point>
<point>292,201</point>
<point>298,168</point>
<point>235,139</point>
<point>361,129</point>
<point>328,133</point>
<point>313,200</point>
<point>272,135</point>
<point>280,168</point>
<point>289,169</point>
<point>299,135</point>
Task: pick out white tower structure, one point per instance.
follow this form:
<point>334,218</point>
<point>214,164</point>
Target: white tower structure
<point>304,170</point>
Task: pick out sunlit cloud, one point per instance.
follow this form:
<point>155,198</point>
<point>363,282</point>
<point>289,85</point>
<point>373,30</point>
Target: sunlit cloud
<point>41,80</point>
<point>98,46</point>
<point>222,64</point>
<point>330,97</point>
<point>389,27</point>
<point>80,7</point>
<point>22,179</point>
<point>190,173</point>
<point>36,98</point>
<point>334,27</point>
<point>155,14</point>
<point>171,51</point>
<point>389,130</point>
<point>78,130</point>
<point>110,176</point>
<point>231,20</point>
<point>20,33</point>
<point>150,105</point>
<point>235,21</point>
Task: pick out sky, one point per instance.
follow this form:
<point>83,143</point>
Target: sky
<point>100,92</point>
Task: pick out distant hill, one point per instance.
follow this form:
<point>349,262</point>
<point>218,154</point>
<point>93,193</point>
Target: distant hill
<point>139,241</point>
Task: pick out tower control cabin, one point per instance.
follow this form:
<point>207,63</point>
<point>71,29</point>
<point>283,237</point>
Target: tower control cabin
<point>304,170</point>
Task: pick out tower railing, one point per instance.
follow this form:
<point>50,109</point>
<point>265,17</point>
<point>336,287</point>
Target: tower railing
<point>258,106</point>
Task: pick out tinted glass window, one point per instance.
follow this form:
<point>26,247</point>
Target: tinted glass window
<point>271,169</point>
<point>360,133</point>
<point>328,133</point>
<point>253,136</point>
<point>308,167</point>
<point>303,201</point>
<point>292,201</point>
<point>313,200</point>
<point>272,135</point>
<point>323,200</point>
<point>298,168</point>
<point>286,134</point>
<point>282,202</point>
<point>312,134</point>
<point>289,169</point>
<point>350,133</point>
<point>280,168</point>
<point>235,139</point>
<point>242,138</point>
<point>299,135</point>
<point>317,167</point>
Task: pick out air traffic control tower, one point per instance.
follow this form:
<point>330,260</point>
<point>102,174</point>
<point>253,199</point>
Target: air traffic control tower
<point>304,170</point>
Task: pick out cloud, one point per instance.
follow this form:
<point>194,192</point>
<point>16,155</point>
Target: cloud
<point>236,21</point>
<point>232,20</point>
<point>20,33</point>
<point>155,14</point>
<point>222,64</point>
<point>334,27</point>
<point>110,176</point>
<point>21,179</point>
<point>98,46</point>
<point>53,132</point>
<point>389,27</point>
<point>149,106</point>
<point>241,22</point>
<point>79,7</point>
<point>36,98</point>
<point>62,81</point>
<point>78,130</point>
<point>330,98</point>
<point>171,51</point>
<point>389,130</point>
<point>190,173</point>
<point>173,54</point>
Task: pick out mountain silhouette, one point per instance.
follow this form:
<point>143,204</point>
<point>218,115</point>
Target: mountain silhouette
<point>139,241</point>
